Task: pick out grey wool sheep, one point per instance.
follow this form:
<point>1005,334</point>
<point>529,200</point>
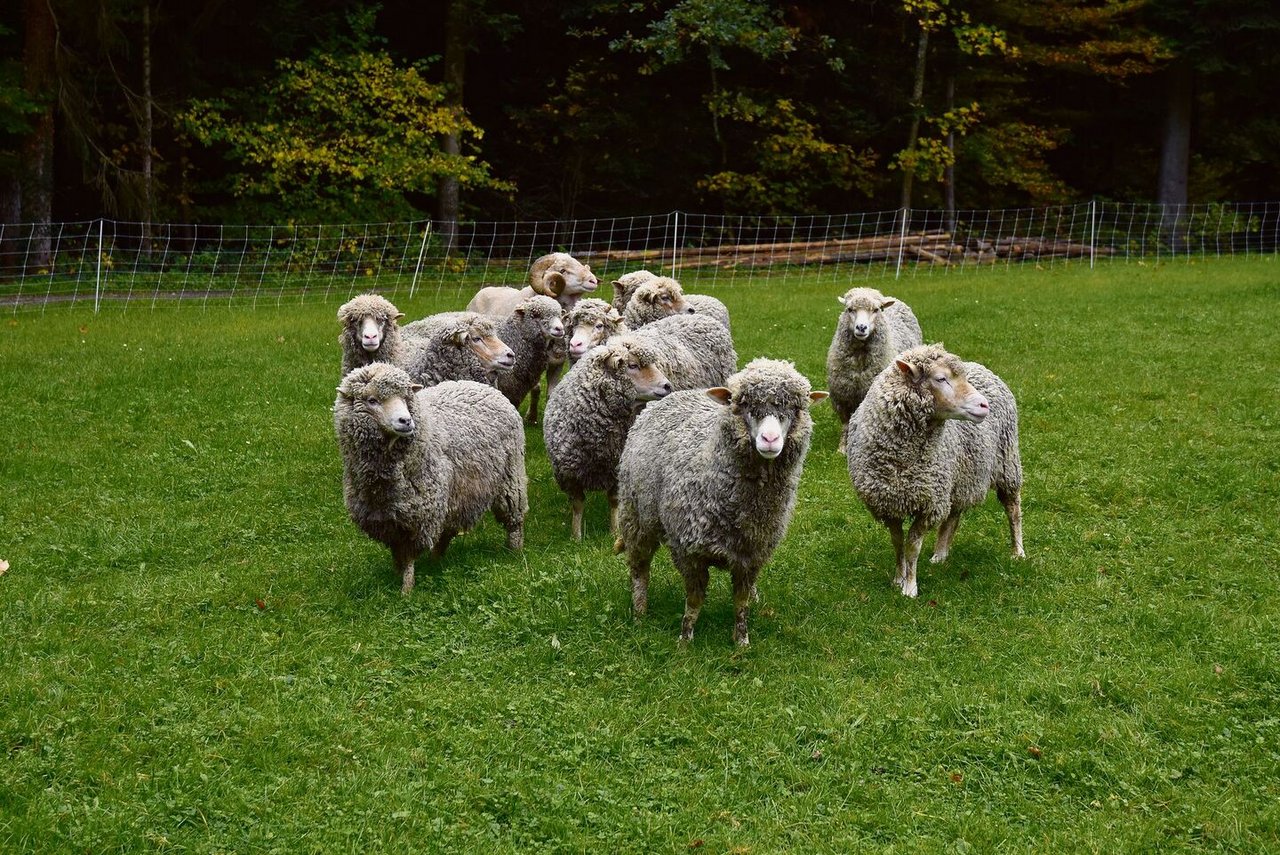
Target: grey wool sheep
<point>589,323</point>
<point>932,436</point>
<point>713,475</point>
<point>529,331</point>
<point>702,304</point>
<point>454,346</point>
<point>423,465</point>
<point>653,300</point>
<point>694,351</point>
<point>872,330</point>
<point>589,413</point>
<point>370,332</point>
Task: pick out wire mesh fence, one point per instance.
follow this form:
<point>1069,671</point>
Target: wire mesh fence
<point>107,262</point>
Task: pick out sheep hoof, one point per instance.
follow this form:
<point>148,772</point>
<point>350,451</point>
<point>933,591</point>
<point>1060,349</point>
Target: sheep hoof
<point>1018,553</point>
<point>743,640</point>
<point>910,591</point>
<point>938,558</point>
<point>618,546</point>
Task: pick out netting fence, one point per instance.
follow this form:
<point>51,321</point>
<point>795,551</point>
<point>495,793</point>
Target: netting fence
<point>107,262</point>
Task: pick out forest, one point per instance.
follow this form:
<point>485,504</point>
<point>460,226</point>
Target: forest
<point>277,111</point>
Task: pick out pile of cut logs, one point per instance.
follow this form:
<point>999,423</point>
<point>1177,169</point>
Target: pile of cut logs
<point>932,247</point>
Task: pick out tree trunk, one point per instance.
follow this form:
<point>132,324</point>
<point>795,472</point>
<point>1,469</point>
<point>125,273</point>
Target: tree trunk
<point>36,170</point>
<point>949,173</point>
<point>148,128</point>
<point>917,107</point>
<point>456,43</point>
<point>1175,152</point>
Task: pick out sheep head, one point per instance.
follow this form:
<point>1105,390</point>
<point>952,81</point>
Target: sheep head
<point>663,296</point>
<point>544,312</point>
<point>478,334</point>
<point>592,322</point>
<point>863,309</point>
<point>560,275</point>
<point>379,396</point>
<point>940,376</point>
<point>771,401</point>
<point>626,284</point>
<point>632,360</point>
<point>367,319</point>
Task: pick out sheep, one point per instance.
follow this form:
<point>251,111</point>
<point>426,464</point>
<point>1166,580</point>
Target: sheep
<point>932,436</point>
<point>703,304</point>
<point>558,275</point>
<point>872,330</point>
<point>528,330</point>
<point>694,351</point>
<point>370,332</point>
<point>422,465</point>
<point>653,300</point>
<point>589,323</point>
<point>713,475</point>
<point>454,346</point>
<point>588,415</point>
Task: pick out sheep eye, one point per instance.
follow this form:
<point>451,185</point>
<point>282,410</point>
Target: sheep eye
<point>475,338</point>
<point>599,326</point>
<point>634,366</point>
<point>373,402</point>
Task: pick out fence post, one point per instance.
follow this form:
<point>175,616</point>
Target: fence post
<point>675,240</point>
<point>97,286</point>
<point>902,241</point>
<point>418,267</point>
<point>1093,232</point>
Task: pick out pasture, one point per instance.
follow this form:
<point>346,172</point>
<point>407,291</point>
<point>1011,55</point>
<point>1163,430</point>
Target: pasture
<point>202,654</point>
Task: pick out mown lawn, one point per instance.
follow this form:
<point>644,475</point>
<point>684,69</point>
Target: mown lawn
<point>201,653</point>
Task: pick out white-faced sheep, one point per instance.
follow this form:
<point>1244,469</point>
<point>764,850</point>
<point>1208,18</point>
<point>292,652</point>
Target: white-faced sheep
<point>713,475</point>
<point>420,466</point>
<point>872,330</point>
<point>454,346</point>
<point>529,330</point>
<point>589,413</point>
<point>370,332</point>
<point>932,436</point>
<point>589,323</point>
<point>654,300</point>
<point>702,304</point>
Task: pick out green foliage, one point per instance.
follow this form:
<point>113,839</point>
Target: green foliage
<point>337,133</point>
<point>792,161</point>
<point>202,654</point>
<point>1012,155</point>
<point>710,27</point>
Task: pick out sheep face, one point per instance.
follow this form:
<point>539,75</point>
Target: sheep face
<point>771,404</point>
<point>626,284</point>
<point>561,275</point>
<point>379,395</point>
<point>591,322</point>
<point>366,319</point>
<point>863,311</point>
<point>638,364</point>
<point>545,312</point>
<point>481,338</point>
<point>942,376</point>
<point>665,296</point>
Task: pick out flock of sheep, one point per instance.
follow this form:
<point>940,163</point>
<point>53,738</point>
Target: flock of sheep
<point>653,412</point>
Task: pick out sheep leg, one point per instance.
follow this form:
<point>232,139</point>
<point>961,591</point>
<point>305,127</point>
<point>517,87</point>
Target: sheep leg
<point>404,557</point>
<point>508,510</point>
<point>844,432</point>
<point>696,576</point>
<point>744,590</point>
<point>532,418</point>
<point>1012,501</point>
<point>895,534</point>
<point>946,531</point>
<point>639,584</point>
<point>613,513</point>
<point>911,554</point>
<point>442,543</point>
<point>577,501</point>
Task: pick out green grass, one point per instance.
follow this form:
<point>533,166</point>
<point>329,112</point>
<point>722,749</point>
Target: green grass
<point>202,654</point>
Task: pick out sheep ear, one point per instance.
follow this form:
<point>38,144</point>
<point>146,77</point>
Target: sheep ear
<point>553,284</point>
<point>398,316</point>
<point>841,301</point>
<point>519,311</point>
<point>415,388</point>
<point>815,397</point>
<point>888,301</point>
<point>720,395</point>
<point>912,371</point>
<point>459,337</point>
<point>614,315</point>
<point>345,394</point>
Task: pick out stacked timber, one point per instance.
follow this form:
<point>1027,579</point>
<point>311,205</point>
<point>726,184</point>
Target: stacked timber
<point>931,247</point>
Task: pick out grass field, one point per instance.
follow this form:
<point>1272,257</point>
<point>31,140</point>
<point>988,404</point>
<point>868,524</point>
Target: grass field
<point>202,654</point>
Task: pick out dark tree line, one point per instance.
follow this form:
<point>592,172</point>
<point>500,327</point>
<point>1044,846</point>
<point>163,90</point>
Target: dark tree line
<point>278,110</point>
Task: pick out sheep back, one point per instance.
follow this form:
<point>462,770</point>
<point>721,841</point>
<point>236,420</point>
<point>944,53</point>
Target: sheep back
<point>435,348</point>
<point>694,351</point>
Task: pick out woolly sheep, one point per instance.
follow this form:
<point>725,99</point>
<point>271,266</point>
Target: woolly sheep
<point>420,466</point>
<point>713,475</point>
<point>528,330</point>
<point>932,436</point>
<point>589,413</point>
<point>694,351</point>
<point>370,332</point>
<point>454,346</point>
<point>589,323</point>
<point>653,300</point>
<point>871,331</point>
<point>703,304</point>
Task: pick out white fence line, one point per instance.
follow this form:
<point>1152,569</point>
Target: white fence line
<point>114,263</point>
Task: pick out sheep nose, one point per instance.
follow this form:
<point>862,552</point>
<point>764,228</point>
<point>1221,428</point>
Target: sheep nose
<point>859,328</point>
<point>689,310</point>
<point>666,388</point>
<point>403,424</point>
<point>770,436</point>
